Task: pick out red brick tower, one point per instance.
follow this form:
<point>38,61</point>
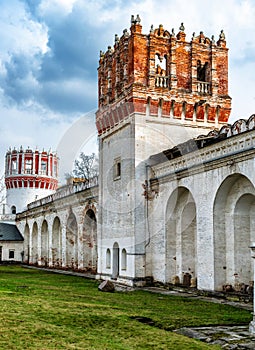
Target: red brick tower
<point>162,74</point>
<point>155,91</point>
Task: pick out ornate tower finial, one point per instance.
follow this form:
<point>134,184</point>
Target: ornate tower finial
<point>181,35</point>
<point>117,39</point>
<point>138,19</point>
<point>135,21</point>
<point>152,29</point>
<point>125,32</point>
<point>222,35</point>
<point>182,28</point>
<point>110,50</point>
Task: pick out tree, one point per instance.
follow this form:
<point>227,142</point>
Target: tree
<point>86,167</point>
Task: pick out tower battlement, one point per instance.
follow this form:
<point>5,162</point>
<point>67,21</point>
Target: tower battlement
<point>162,74</point>
<point>29,175</point>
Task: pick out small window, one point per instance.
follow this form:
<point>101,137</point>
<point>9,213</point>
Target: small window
<point>43,167</point>
<point>11,254</point>
<point>28,166</point>
<point>108,258</point>
<point>13,209</point>
<point>117,169</point>
<point>14,167</point>
<point>202,71</point>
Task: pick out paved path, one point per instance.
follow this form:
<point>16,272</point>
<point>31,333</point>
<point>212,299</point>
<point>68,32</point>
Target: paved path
<point>228,337</point>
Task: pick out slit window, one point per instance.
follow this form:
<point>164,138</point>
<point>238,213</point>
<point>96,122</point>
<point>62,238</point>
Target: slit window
<point>117,168</point>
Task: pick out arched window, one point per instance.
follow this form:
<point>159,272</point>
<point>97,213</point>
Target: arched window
<point>108,258</point>
<point>160,64</point>
<point>172,109</point>
<point>160,107</point>
<point>202,71</point>
<point>123,259</point>
<point>148,106</point>
<point>184,105</point>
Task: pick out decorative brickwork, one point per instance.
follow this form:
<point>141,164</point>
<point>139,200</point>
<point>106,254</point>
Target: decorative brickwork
<point>165,75</point>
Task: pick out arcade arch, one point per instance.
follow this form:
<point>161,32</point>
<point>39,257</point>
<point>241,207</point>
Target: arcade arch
<point>56,243</point>
<point>181,236</point>
<point>71,241</point>
<point>26,243</point>
<point>44,244</point>
<point>34,248</point>
<point>233,210</point>
<point>90,241</point>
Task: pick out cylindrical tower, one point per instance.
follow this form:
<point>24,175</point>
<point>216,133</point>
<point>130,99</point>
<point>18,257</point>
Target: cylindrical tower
<point>29,175</point>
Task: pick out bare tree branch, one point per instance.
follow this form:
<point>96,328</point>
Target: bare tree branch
<point>86,167</point>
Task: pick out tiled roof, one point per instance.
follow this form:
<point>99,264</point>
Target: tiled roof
<point>9,232</point>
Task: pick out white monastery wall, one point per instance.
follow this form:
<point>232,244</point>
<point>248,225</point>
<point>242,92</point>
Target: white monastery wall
<point>230,162</point>
<point>62,232</point>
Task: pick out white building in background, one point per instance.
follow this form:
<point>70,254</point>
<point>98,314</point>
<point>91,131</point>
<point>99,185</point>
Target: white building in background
<point>11,243</point>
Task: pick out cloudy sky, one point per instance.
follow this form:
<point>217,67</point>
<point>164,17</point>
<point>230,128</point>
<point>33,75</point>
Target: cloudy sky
<point>49,52</point>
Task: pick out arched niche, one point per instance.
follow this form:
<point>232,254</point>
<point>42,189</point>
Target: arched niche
<point>115,260</point>
<point>90,241</point>
<point>34,248</point>
<point>71,241</point>
<point>26,243</point>
<point>56,243</point>
<point>44,244</point>
<point>181,236</point>
<point>233,231</point>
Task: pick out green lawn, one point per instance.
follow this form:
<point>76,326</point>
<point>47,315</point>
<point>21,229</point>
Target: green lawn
<point>41,310</point>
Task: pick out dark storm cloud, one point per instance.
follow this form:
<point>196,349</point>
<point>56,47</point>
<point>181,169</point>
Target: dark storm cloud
<point>64,78</point>
<point>73,56</point>
<point>72,51</point>
<point>19,83</point>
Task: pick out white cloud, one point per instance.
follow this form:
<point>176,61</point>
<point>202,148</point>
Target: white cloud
<point>56,7</point>
<point>19,32</point>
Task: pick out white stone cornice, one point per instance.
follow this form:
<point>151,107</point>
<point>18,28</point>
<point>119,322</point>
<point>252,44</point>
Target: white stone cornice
<point>241,146</point>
